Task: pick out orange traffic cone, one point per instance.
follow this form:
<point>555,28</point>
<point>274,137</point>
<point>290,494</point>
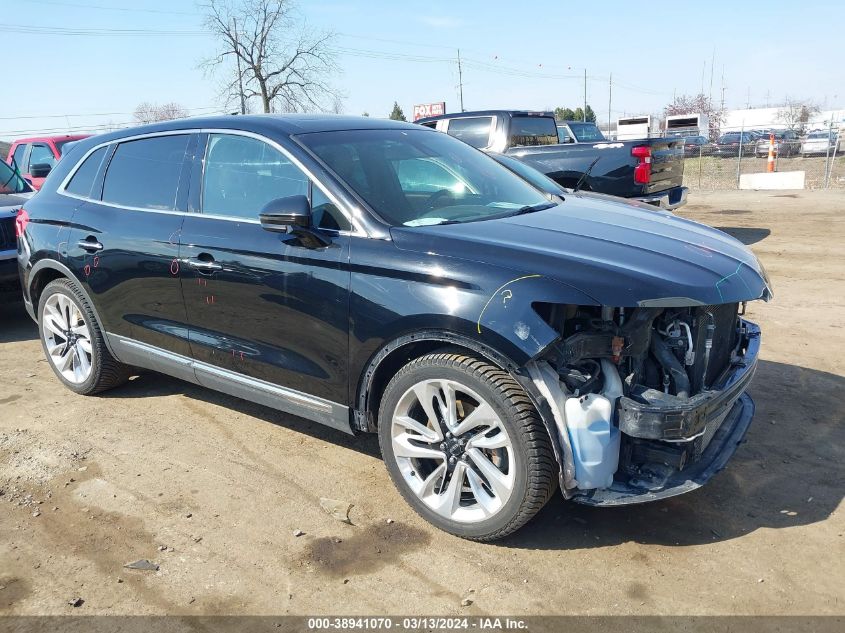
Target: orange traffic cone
<point>771,165</point>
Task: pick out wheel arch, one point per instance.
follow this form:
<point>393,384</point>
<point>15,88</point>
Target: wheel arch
<point>47,270</point>
<point>399,351</point>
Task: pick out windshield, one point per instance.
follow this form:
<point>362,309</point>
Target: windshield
<point>10,181</point>
<point>586,132</point>
<point>820,135</point>
<point>419,177</point>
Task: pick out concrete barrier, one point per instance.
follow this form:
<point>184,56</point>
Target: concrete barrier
<point>776,180</point>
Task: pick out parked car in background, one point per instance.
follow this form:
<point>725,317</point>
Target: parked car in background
<point>786,143</point>
<point>729,144</point>
<point>650,170</point>
<point>579,132</point>
<point>35,157</point>
<point>14,191</point>
<point>695,146</point>
<point>380,277</point>
<point>819,142</point>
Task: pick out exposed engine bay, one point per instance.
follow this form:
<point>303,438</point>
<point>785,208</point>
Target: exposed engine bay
<point>640,393</point>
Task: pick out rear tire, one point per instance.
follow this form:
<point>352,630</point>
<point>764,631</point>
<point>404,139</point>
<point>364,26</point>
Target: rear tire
<point>465,446</point>
<point>73,341</point>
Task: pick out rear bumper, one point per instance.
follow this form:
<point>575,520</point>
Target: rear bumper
<point>669,199</point>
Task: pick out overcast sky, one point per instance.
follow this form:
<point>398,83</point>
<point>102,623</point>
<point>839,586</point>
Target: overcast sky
<point>516,55</point>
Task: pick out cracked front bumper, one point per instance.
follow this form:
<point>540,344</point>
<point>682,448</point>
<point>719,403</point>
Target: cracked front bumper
<point>719,419</point>
<point>714,459</point>
<point>688,419</point>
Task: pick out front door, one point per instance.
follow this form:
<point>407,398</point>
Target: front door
<point>264,306</point>
<point>39,154</point>
<point>124,241</point>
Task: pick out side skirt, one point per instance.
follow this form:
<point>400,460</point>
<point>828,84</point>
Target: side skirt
<point>140,354</point>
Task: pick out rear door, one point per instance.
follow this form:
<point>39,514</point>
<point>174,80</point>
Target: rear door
<point>266,309</point>
<point>124,243</point>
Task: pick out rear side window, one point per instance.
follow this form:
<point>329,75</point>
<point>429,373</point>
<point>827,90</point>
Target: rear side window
<point>83,179</point>
<point>533,130</point>
<point>474,131</point>
<point>145,173</point>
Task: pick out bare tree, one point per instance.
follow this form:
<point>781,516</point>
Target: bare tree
<point>697,104</point>
<point>795,114</point>
<point>271,54</point>
<point>151,112</point>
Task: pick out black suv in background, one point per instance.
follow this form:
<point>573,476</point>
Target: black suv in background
<point>14,191</point>
<point>378,276</point>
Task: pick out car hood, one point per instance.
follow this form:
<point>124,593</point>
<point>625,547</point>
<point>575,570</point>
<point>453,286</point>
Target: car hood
<point>14,201</point>
<point>614,252</point>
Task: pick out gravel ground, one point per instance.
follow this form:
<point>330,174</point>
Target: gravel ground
<point>214,490</point>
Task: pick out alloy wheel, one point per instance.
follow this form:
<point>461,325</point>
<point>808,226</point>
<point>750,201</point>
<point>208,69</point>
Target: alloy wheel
<point>67,338</point>
<point>452,450</point>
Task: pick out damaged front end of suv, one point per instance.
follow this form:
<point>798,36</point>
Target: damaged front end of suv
<point>648,402</point>
<point>626,329</point>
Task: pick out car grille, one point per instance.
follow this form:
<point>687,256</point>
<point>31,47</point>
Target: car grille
<point>724,340</point>
<point>7,234</point>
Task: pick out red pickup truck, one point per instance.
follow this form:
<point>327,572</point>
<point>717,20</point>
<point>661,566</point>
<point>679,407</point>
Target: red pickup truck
<point>34,157</point>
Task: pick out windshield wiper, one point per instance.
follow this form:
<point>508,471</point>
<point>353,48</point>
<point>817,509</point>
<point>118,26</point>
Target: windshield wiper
<point>531,208</point>
<point>583,177</point>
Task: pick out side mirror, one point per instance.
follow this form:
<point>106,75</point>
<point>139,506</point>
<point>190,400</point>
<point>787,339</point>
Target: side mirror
<point>40,170</point>
<point>292,215</point>
<point>286,214</point>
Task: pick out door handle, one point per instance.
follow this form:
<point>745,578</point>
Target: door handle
<point>90,245</point>
<point>204,266</point>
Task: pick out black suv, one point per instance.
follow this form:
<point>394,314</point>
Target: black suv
<point>378,276</point>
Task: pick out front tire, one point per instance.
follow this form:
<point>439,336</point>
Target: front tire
<point>73,342</point>
<point>465,446</point>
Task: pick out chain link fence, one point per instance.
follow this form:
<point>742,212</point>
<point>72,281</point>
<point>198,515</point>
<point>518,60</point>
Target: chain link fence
<point>820,154</point>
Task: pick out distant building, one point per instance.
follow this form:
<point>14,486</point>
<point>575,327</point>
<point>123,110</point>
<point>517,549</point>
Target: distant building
<point>765,118</point>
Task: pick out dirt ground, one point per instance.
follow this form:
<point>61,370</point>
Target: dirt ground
<point>212,489</point>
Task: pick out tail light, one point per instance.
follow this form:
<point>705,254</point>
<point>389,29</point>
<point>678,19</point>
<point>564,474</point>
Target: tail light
<point>642,172</point>
<point>21,220</point>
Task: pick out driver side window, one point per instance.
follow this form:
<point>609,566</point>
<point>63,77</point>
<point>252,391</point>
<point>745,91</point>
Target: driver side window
<point>242,174</point>
<point>41,155</point>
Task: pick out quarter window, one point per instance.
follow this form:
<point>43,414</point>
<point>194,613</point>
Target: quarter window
<point>474,131</point>
<point>325,214</point>
<point>83,179</point>
<point>20,150</point>
<point>145,173</point>
<point>243,174</point>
